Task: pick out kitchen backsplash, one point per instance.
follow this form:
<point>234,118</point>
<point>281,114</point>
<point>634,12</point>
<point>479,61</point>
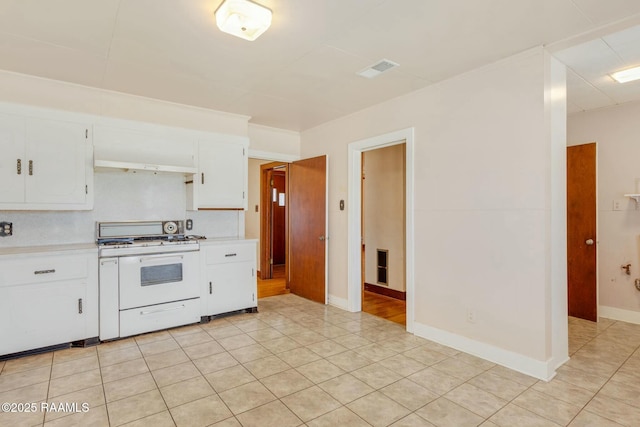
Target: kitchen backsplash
<point>119,196</point>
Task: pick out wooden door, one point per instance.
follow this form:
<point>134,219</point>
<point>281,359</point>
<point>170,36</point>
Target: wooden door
<point>581,231</point>
<point>307,228</point>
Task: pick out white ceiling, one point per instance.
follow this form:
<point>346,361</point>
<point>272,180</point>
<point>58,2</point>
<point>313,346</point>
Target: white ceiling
<point>589,64</point>
<point>302,71</point>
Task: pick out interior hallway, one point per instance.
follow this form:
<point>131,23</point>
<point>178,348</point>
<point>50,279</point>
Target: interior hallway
<point>297,362</point>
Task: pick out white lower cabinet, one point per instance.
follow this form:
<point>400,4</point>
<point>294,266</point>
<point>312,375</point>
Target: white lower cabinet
<point>47,299</point>
<point>229,277</point>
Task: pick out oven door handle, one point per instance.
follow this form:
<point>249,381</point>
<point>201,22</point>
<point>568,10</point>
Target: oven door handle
<point>144,313</point>
<point>161,258</point>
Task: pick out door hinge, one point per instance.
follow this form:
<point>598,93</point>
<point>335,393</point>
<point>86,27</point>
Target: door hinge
<point>253,297</point>
<point>30,167</point>
<point>272,183</point>
<point>80,306</point>
<point>271,261</point>
<point>243,194</point>
<point>19,166</point>
<point>252,272</point>
<point>243,152</point>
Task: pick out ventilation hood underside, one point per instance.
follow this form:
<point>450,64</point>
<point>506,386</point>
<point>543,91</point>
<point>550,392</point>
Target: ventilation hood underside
<point>105,165</point>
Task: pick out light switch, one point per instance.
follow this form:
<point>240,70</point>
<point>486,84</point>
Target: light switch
<point>6,229</point>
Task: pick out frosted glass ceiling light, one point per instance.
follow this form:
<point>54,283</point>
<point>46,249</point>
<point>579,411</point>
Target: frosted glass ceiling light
<point>243,18</point>
<point>627,75</point>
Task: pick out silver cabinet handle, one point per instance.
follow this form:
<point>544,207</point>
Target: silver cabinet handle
<point>176,257</point>
<point>80,306</point>
<point>114,261</point>
<point>210,288</point>
<point>230,255</point>
<point>144,313</point>
<point>202,177</point>
<point>44,271</point>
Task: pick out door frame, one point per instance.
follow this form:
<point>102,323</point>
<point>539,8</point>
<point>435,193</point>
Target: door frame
<point>266,214</point>
<point>273,157</point>
<point>354,245</point>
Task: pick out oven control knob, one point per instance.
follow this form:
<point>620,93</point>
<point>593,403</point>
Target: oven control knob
<point>170,227</point>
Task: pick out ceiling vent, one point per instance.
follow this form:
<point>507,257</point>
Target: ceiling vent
<point>378,68</point>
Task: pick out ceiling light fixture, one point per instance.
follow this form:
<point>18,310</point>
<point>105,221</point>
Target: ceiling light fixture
<point>625,76</point>
<point>243,18</point>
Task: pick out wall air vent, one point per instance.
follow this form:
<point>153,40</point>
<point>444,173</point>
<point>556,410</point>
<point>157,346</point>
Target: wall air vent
<point>377,68</point>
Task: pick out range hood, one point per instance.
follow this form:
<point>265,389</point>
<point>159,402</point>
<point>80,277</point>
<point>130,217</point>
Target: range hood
<point>141,167</point>
<point>151,149</point>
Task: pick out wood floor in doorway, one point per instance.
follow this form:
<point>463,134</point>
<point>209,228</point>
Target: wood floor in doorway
<point>275,286</point>
<point>385,307</point>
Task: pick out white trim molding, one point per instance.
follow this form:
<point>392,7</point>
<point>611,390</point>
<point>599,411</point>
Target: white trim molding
<point>354,254</point>
<point>338,302</point>
<point>621,314</point>
<point>544,370</point>
<point>269,155</point>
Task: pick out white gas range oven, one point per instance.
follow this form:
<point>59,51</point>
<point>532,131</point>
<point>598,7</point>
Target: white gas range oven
<point>148,275</point>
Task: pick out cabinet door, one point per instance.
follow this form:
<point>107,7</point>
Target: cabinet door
<point>40,315</point>
<point>232,287</point>
<point>56,164</point>
<point>223,174</point>
<point>12,160</point>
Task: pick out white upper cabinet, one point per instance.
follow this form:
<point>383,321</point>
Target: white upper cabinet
<point>45,164</point>
<point>221,181</point>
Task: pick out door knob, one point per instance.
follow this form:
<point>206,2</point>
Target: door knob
<point>589,242</point>
<point>321,238</point>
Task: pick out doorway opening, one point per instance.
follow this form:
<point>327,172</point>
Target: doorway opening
<point>272,251</point>
<point>355,274</point>
<point>383,232</point>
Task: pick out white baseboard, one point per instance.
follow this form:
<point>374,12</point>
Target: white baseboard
<point>518,362</point>
<point>615,313</point>
<point>339,302</point>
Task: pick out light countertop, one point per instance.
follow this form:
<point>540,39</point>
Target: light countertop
<point>48,248</point>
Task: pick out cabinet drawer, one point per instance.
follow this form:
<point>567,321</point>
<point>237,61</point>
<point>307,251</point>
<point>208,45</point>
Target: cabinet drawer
<point>42,269</point>
<point>156,317</point>
<point>230,253</point>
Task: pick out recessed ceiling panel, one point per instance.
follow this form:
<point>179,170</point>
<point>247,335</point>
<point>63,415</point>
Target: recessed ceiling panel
<point>79,24</point>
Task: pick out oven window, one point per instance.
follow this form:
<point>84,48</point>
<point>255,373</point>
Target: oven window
<point>158,274</point>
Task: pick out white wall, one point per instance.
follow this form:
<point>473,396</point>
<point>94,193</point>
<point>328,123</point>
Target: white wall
<point>483,207</point>
<point>40,92</point>
<point>384,213</point>
<point>273,144</point>
<point>615,131</point>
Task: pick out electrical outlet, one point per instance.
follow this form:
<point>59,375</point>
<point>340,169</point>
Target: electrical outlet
<point>471,316</point>
<point>618,204</point>
<point>6,229</point>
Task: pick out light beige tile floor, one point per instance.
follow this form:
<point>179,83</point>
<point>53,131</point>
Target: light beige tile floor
<point>301,363</point>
